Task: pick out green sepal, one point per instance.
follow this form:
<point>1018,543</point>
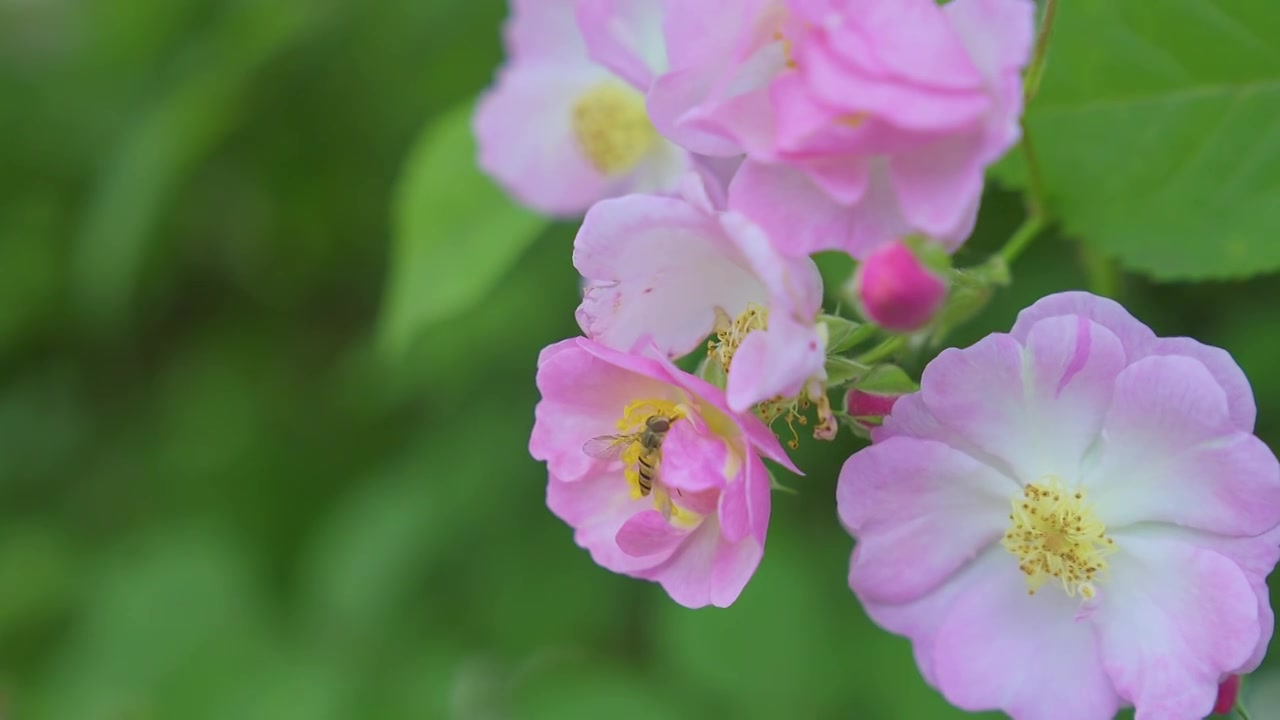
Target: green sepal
<point>843,333</point>
<point>887,380</point>
<point>713,372</point>
<point>774,484</point>
<point>842,370</point>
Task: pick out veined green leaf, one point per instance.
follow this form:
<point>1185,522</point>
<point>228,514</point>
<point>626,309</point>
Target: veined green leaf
<point>1156,128</point>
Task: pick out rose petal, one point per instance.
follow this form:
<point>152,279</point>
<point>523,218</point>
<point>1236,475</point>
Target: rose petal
<point>920,511</point>
<point>1170,453</point>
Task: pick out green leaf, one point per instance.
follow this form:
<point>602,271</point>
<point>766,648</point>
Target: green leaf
<point>147,167</point>
<point>455,233</point>
<point>1157,135</point>
<point>887,380</point>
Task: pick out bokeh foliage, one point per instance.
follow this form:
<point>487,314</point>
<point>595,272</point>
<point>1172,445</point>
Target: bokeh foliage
<point>221,498</point>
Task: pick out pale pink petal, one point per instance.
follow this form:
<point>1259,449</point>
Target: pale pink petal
<point>707,569</point>
<point>1000,648</point>
<point>1256,556</point>
<point>1174,619</point>
<point>903,105</point>
<point>759,496</point>
<point>912,40</point>
<point>710,191</point>
<point>1135,337</point>
<point>920,511</point>
<point>624,36</point>
<point>1243,410</point>
<point>802,219</point>
<point>939,183</point>
<point>543,30</point>
<point>658,267</point>
<point>718,51</point>
<point>526,140</point>
<point>996,34</point>
<point>774,362</point>
<point>597,508</point>
<point>795,285</point>
<point>1037,410</point>
<point>647,533</point>
<point>1139,342</point>
<point>1171,453</point>
<point>733,511</point>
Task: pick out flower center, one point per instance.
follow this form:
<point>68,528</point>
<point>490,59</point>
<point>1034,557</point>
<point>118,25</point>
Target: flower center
<point>731,333</point>
<point>612,127</point>
<point>645,424</point>
<point>1055,534</point>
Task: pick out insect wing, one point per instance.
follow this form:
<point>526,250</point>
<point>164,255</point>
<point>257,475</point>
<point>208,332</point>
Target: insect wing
<point>607,447</point>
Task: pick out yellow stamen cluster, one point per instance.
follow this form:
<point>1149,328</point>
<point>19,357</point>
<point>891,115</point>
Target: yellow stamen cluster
<point>613,128</point>
<point>731,332</point>
<point>1055,534</point>
<point>792,411</point>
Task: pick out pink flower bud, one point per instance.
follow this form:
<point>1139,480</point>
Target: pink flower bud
<point>860,404</point>
<point>896,291</point>
<point>1227,693</point>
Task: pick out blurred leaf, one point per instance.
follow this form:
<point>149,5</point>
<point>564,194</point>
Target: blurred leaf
<point>168,140</point>
<point>370,559</point>
<point>31,258</point>
<point>588,689</point>
<point>455,232</point>
<point>1158,152</point>
<point>171,615</point>
<point>38,568</point>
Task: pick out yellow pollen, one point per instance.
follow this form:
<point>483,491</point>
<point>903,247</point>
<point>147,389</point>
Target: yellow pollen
<point>731,333</point>
<point>854,120</point>
<point>792,411</point>
<point>786,48</point>
<point>1055,534</point>
<point>613,128</point>
<point>635,417</point>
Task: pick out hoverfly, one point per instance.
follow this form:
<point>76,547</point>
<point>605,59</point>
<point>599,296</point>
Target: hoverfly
<point>610,447</point>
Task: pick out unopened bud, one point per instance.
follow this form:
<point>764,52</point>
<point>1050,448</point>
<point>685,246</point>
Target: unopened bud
<point>896,291</point>
<point>868,409</point>
<point>1228,691</point>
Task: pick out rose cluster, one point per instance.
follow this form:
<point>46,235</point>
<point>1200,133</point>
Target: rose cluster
<point>1065,519</point>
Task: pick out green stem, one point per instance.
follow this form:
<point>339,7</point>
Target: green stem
<point>1022,237</point>
<point>1244,714</point>
<point>1036,202</point>
<point>1104,276</point>
<point>883,351</point>
<point>1032,83</point>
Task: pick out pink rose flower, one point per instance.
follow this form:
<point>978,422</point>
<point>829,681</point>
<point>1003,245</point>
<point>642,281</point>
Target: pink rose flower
<point>1071,518</point>
<point>896,291</point>
<point>677,269</point>
<point>863,120</point>
<point>658,477</point>
<point>559,130</point>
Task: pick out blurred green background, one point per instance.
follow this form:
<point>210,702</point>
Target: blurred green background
<point>218,499</point>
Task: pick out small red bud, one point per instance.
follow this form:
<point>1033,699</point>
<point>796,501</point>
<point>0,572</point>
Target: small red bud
<point>896,291</point>
<point>1228,691</point>
<point>860,404</point>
